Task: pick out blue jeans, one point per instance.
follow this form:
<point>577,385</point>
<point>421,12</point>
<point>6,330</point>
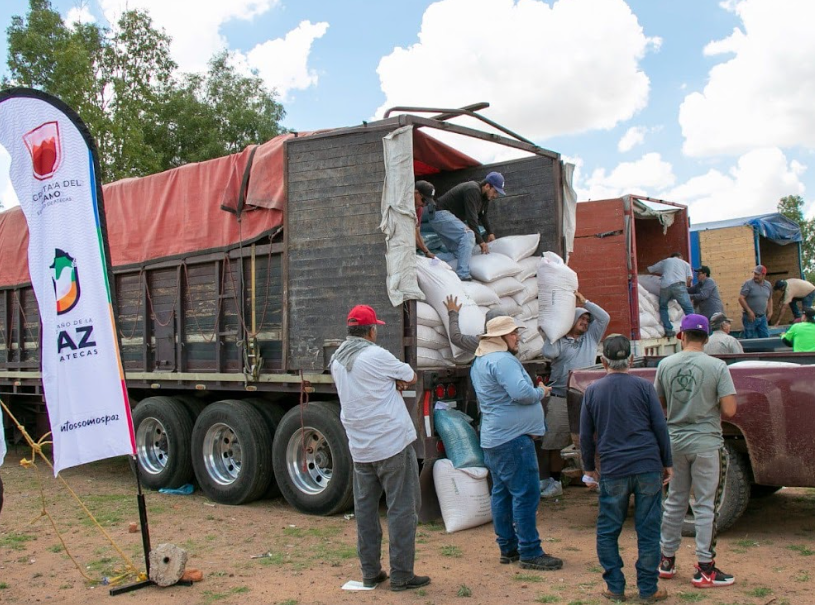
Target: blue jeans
<point>679,293</point>
<point>806,302</point>
<point>515,496</point>
<point>457,237</point>
<point>614,495</point>
<point>755,329</point>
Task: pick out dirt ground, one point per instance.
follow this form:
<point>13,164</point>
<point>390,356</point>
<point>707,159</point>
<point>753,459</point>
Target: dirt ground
<point>307,559</point>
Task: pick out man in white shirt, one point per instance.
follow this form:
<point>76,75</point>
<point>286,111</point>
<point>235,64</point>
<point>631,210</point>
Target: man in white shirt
<point>380,436</point>
<point>720,341</point>
<point>676,278</point>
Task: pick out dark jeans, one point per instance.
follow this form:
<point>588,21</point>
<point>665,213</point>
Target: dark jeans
<point>398,476</point>
<point>679,293</point>
<point>755,329</point>
<point>614,496</point>
<point>807,301</point>
<point>515,496</point>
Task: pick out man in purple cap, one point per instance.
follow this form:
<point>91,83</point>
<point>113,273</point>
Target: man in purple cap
<point>380,436</point>
<point>457,216</point>
<point>697,391</point>
<point>756,299</point>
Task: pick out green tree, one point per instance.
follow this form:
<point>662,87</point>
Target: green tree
<point>792,206</point>
<point>122,81</point>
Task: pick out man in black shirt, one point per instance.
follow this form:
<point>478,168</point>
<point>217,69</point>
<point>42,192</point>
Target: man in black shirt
<point>458,215</point>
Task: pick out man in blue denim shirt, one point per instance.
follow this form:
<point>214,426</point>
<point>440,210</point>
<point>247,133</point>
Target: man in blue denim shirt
<point>635,457</point>
<point>511,416</point>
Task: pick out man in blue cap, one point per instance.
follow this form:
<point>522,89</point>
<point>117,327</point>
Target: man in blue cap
<point>457,217</point>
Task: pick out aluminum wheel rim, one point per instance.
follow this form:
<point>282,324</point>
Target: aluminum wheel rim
<point>153,447</point>
<point>309,461</point>
<point>222,454</point>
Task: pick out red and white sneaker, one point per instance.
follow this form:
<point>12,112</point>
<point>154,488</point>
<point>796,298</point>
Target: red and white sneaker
<point>709,576</point>
<point>667,567</point>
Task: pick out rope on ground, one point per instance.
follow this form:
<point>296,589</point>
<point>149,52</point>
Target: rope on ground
<point>36,450</point>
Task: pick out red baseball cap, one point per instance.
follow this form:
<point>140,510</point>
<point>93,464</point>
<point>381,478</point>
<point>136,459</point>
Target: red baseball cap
<point>363,315</point>
<point>760,269</point>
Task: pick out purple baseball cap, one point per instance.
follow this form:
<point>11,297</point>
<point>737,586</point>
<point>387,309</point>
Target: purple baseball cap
<point>696,323</point>
<point>496,179</point>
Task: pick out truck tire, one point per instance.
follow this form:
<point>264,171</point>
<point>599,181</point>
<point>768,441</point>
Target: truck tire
<point>762,491</point>
<point>272,413</point>
<point>194,405</point>
<point>736,494</point>
<point>316,477</point>
<point>163,429</point>
<point>232,454</point>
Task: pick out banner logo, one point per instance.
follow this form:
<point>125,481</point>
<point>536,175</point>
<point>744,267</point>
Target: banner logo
<point>65,278</point>
<point>45,147</point>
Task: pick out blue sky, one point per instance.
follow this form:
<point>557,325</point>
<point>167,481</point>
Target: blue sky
<point>700,102</point>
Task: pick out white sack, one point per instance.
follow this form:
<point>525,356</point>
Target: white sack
<point>763,364</point>
<point>431,358</point>
<point>506,286</point>
<point>529,310</point>
<point>427,316</point>
<point>489,267</point>
<point>438,281</point>
<point>529,293</point>
<point>529,267</point>
<point>464,496</point>
<point>530,330</point>
<point>480,293</point>
<point>429,338</point>
<point>531,349</point>
<point>516,247</point>
<point>650,283</point>
<point>510,307</point>
<point>557,284</point>
<point>440,329</point>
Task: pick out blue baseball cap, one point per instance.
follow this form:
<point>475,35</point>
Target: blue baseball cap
<point>496,179</point>
<point>695,323</point>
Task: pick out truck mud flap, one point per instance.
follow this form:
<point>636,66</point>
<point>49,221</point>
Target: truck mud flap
<point>430,510</point>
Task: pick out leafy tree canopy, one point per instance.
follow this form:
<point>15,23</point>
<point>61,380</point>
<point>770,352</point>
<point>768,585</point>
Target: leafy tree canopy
<point>792,206</point>
<point>145,116</point>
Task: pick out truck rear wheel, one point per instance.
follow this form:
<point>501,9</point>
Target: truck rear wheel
<point>163,429</point>
<point>232,454</point>
<point>312,461</point>
<point>272,413</point>
<point>736,494</point>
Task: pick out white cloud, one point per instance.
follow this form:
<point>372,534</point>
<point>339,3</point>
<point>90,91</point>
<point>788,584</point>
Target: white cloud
<point>8,197</point>
<point>633,136</point>
<point>79,14</point>
<point>761,95</point>
<point>644,177</point>
<point>283,63</point>
<point>546,70</point>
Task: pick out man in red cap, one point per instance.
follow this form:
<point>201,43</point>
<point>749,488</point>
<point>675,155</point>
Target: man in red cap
<point>756,298</point>
<point>380,437</point>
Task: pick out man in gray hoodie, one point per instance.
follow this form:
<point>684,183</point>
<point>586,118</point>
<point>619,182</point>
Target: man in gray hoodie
<point>578,349</point>
<point>380,436</point>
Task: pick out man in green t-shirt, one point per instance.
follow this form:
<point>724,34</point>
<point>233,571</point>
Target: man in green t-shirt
<point>801,336</point>
<point>697,390</point>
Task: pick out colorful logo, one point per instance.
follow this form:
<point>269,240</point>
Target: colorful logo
<point>45,147</point>
<point>66,281</point>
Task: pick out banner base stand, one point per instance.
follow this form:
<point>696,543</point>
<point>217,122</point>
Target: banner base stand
<point>143,584</point>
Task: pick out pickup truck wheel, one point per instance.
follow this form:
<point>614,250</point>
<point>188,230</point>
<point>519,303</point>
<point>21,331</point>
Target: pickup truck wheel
<point>762,491</point>
<point>736,494</point>
<point>232,454</point>
<point>312,462</point>
<point>272,413</point>
<point>163,429</point>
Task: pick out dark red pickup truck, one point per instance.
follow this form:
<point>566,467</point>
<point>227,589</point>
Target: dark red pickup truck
<point>770,440</point>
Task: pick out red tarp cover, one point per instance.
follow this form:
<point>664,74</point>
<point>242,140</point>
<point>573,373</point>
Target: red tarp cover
<point>178,211</point>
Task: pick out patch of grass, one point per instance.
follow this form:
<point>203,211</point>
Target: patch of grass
<point>801,549</point>
<point>15,540</point>
<point>451,551</point>
<point>746,543</point>
<point>433,526</point>
<point>527,577</point>
<point>56,548</point>
<point>288,602</point>
<point>65,586</point>
<point>761,591</point>
<point>464,591</point>
<point>210,596</point>
<point>571,548</point>
<point>691,597</point>
<point>547,598</point>
<point>274,558</point>
<point>341,552</point>
<point>421,592</point>
<point>312,532</point>
<point>595,569</point>
<point>802,576</point>
<point>3,586</point>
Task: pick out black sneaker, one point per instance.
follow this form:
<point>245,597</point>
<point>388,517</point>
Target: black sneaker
<point>414,582</point>
<point>667,567</point>
<point>542,563</point>
<point>509,557</point>
<point>373,582</point>
<point>709,576</point>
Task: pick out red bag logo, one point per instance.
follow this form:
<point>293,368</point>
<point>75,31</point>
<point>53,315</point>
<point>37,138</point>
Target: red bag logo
<point>45,147</point>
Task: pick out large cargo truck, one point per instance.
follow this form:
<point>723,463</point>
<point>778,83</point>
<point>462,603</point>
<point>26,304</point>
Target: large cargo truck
<point>232,281</point>
<point>616,240</point>
<point>733,248</point>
